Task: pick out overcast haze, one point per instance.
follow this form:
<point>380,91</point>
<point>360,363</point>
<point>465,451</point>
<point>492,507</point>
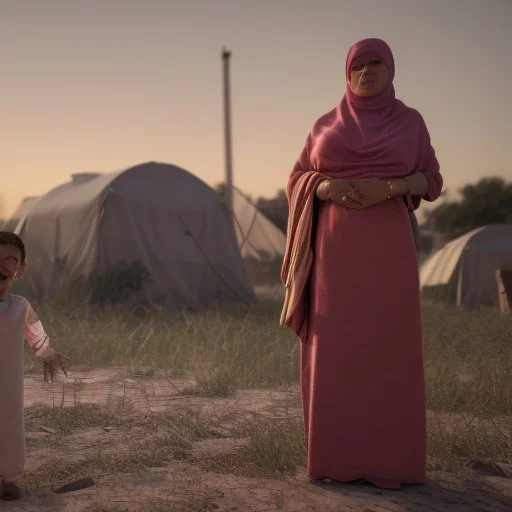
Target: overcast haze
<point>102,85</point>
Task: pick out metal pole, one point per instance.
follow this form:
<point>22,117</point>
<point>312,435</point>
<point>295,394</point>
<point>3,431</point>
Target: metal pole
<point>227,131</point>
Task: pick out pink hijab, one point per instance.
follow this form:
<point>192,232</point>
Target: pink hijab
<point>371,137</point>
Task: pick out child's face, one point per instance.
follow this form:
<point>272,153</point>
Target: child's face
<point>10,267</point>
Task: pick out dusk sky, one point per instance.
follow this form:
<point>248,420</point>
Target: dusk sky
<point>100,85</point>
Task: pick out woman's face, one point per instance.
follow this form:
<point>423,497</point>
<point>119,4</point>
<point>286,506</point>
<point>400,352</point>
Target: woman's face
<point>368,75</point>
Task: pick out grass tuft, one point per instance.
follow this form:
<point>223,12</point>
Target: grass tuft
<point>275,446</point>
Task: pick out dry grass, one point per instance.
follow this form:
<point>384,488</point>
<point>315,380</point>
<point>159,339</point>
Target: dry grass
<point>65,420</point>
<point>468,366</point>
<point>275,446</point>
<point>468,361</point>
<point>130,457</point>
<point>224,348</point>
<point>455,439</point>
<point>468,374</point>
<point>140,442</point>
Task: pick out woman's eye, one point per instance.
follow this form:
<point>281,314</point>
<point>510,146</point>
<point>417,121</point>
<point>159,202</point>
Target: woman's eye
<point>357,67</point>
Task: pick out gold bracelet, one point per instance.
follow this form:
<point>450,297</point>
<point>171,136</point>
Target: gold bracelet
<point>390,189</point>
<point>323,186</point>
<point>327,189</point>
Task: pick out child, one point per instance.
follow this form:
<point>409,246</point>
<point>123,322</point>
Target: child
<point>18,321</point>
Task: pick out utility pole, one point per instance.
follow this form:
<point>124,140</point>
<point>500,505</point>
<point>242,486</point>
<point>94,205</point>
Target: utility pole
<point>227,131</point>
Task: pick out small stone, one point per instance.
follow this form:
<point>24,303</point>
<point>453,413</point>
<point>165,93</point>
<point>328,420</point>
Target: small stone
<point>489,468</point>
<point>180,455</point>
<point>450,501</point>
<point>83,483</point>
<point>35,435</point>
<point>48,430</point>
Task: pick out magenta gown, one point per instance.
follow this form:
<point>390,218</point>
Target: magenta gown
<point>362,377</point>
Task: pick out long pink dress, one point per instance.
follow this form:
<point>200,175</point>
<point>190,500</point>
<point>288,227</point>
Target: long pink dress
<point>361,367</point>
<point>352,289</point>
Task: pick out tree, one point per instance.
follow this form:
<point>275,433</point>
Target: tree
<point>487,202</point>
<point>275,209</point>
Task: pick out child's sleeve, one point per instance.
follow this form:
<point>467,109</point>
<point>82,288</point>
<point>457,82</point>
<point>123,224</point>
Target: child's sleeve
<point>34,333</point>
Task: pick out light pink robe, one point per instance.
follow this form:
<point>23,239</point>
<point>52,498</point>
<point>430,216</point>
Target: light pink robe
<point>18,322</point>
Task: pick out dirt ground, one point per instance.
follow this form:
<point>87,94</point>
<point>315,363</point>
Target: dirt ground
<point>184,485</point>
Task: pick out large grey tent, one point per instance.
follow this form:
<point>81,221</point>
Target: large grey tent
<point>464,270</point>
<point>160,214</point>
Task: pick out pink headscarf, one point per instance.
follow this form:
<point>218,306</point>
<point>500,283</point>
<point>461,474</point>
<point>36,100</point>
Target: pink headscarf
<point>367,137</point>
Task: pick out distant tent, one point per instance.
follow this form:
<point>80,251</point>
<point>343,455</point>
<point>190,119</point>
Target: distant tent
<point>159,214</point>
<point>24,207</point>
<point>258,237</point>
<point>262,244</point>
<point>463,272</point>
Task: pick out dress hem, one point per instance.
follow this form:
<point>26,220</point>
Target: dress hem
<point>383,483</point>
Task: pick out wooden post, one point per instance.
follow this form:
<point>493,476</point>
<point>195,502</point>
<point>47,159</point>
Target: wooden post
<point>227,131</point>
<point>504,280</point>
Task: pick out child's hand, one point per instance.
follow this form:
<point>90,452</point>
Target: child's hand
<point>51,355</point>
<point>50,359</point>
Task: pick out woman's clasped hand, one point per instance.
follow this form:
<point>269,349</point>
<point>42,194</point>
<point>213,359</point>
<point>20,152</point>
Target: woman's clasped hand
<point>360,194</point>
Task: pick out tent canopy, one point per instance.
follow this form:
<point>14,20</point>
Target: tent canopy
<point>469,263</point>
<point>157,213</point>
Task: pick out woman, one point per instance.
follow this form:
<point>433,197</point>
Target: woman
<point>351,277</point>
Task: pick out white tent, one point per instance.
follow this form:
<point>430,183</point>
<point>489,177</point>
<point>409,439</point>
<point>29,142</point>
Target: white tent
<point>258,237</point>
<point>159,214</point>
<point>262,244</point>
<point>467,266</point>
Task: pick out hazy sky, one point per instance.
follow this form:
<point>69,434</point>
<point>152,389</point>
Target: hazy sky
<point>100,85</point>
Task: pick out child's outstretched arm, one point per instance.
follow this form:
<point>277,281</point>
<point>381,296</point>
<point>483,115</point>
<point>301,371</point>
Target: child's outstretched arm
<point>38,339</point>
<point>36,336</point>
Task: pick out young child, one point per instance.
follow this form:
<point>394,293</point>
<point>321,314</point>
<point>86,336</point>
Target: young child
<point>18,321</point>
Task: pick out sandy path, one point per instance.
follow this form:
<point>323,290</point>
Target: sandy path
<point>182,486</point>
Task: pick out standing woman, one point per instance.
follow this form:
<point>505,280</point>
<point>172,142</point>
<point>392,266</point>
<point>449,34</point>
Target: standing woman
<point>351,278</point>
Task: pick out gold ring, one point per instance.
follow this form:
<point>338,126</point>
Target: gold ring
<point>344,198</point>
